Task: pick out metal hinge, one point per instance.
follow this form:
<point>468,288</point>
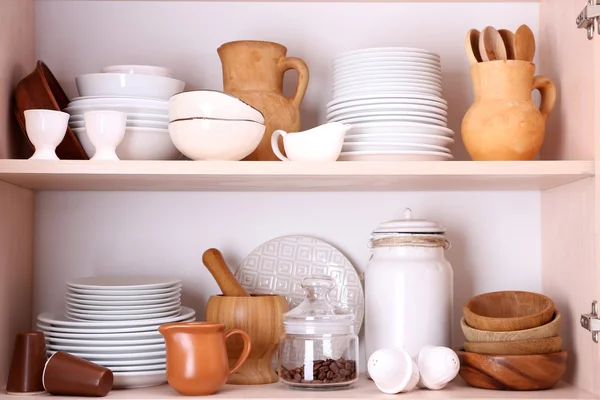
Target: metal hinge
<point>591,322</point>
<point>588,18</point>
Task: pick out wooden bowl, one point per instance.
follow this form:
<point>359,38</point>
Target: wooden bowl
<point>261,317</point>
<point>508,311</point>
<point>541,332</point>
<point>533,372</point>
<point>517,347</point>
<point>41,90</point>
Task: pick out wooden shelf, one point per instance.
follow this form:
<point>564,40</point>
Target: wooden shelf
<point>290,176</point>
<point>353,1</point>
<point>364,389</point>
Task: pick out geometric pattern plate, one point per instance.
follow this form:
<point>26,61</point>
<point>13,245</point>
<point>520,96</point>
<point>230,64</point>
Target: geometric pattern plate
<point>279,265</point>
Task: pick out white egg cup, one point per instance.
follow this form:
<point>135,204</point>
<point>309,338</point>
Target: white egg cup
<point>438,366</point>
<point>393,370</point>
<point>105,130</point>
<point>45,130</point>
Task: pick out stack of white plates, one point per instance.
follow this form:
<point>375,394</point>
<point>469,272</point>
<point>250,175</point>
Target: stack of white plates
<point>393,99</point>
<point>113,322</point>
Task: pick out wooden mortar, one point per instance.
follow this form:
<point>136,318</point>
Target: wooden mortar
<point>261,317</point>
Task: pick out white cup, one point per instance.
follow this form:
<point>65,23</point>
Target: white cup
<point>393,370</point>
<point>105,130</point>
<point>323,143</point>
<point>45,129</point>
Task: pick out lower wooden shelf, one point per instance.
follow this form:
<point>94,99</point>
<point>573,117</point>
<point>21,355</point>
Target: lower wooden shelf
<point>292,176</point>
<point>364,389</point>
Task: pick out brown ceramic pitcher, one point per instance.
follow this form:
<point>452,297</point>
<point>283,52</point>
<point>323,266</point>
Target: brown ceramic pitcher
<point>253,71</point>
<point>503,123</point>
<point>197,362</point>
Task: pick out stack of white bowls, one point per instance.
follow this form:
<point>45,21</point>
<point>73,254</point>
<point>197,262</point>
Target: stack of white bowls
<point>142,92</point>
<point>113,322</point>
<point>392,97</point>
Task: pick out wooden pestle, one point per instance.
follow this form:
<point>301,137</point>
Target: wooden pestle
<point>214,262</point>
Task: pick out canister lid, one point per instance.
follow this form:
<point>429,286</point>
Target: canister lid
<point>410,225</point>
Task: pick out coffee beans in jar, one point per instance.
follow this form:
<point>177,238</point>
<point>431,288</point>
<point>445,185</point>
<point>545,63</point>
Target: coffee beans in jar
<point>324,372</point>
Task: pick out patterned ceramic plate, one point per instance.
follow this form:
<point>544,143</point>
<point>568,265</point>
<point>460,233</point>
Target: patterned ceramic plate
<point>279,265</point>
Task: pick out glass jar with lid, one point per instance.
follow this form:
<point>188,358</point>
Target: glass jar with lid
<point>320,346</point>
<point>408,287</point>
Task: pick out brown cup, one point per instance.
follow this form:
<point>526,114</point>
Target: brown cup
<point>68,375</point>
<point>27,365</point>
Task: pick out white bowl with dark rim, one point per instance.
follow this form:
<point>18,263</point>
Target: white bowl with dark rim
<point>211,104</point>
<point>216,139</point>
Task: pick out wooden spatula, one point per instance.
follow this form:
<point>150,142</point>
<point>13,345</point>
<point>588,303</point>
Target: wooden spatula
<point>509,42</point>
<point>524,44</point>
<point>214,262</point>
<point>472,46</point>
<point>491,45</point>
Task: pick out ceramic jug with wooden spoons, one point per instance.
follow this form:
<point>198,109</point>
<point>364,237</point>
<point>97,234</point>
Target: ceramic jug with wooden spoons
<point>253,71</point>
<point>503,123</point>
<point>197,362</point>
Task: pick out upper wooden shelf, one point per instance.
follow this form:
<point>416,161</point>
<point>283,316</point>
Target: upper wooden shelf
<point>350,1</point>
<point>291,176</point>
<point>362,390</point>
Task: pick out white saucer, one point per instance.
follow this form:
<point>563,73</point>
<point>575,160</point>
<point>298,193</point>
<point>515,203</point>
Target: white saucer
<point>386,58</point>
<point>59,320</point>
<point>435,140</point>
<point>126,108</point>
<point>124,282</point>
<point>392,146</point>
<point>132,123</point>
<point>386,63</point>
<point>95,343</point>
<point>116,311</point>
<point>139,368</point>
<point>389,109</point>
<point>416,91</point>
<point>389,97</point>
<point>363,79</point>
<point>392,127</point>
<point>121,316</point>
<point>104,357</point>
<point>125,298</point>
<point>390,118</point>
<point>107,350</point>
<point>131,117</point>
<point>96,100</point>
<point>108,306</point>
<point>95,334</point>
<point>372,51</point>
<point>130,380</point>
<point>394,156</point>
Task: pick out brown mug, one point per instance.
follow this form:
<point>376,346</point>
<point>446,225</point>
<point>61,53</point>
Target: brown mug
<point>27,364</point>
<point>197,361</point>
<point>67,375</point>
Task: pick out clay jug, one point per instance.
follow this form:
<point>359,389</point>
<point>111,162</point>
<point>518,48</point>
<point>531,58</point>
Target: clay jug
<point>197,362</point>
<point>253,71</point>
<point>503,123</point>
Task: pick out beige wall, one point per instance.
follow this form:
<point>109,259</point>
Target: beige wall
<point>16,61</point>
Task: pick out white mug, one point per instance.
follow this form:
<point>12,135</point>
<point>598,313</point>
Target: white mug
<point>323,143</point>
<point>45,130</point>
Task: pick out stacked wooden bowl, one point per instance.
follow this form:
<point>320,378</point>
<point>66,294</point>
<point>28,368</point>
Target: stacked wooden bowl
<point>513,342</point>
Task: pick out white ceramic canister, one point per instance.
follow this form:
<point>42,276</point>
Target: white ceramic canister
<point>408,287</point>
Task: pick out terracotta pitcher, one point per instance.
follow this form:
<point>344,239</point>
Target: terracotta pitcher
<point>504,123</point>
<point>253,71</point>
<point>197,362</point>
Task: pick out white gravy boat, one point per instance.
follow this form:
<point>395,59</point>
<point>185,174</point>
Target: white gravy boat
<point>323,143</point>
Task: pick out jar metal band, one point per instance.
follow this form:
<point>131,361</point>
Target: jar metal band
<point>411,241</point>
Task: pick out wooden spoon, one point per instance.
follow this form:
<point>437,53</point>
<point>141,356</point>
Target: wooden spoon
<point>214,262</point>
<point>472,46</point>
<point>524,44</point>
<point>491,45</point>
<point>509,42</point>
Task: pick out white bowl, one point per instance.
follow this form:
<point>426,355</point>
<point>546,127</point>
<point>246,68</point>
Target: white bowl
<point>211,104</point>
<point>216,139</point>
<point>138,69</point>
<point>114,84</point>
<point>138,144</point>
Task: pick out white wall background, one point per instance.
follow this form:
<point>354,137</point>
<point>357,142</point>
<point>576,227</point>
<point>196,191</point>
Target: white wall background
<point>495,235</point>
<point>77,37</point>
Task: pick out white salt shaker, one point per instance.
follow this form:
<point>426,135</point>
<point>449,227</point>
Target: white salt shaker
<point>393,370</point>
<point>45,130</point>
<point>438,366</point>
<point>105,130</point>
<point>408,287</point>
